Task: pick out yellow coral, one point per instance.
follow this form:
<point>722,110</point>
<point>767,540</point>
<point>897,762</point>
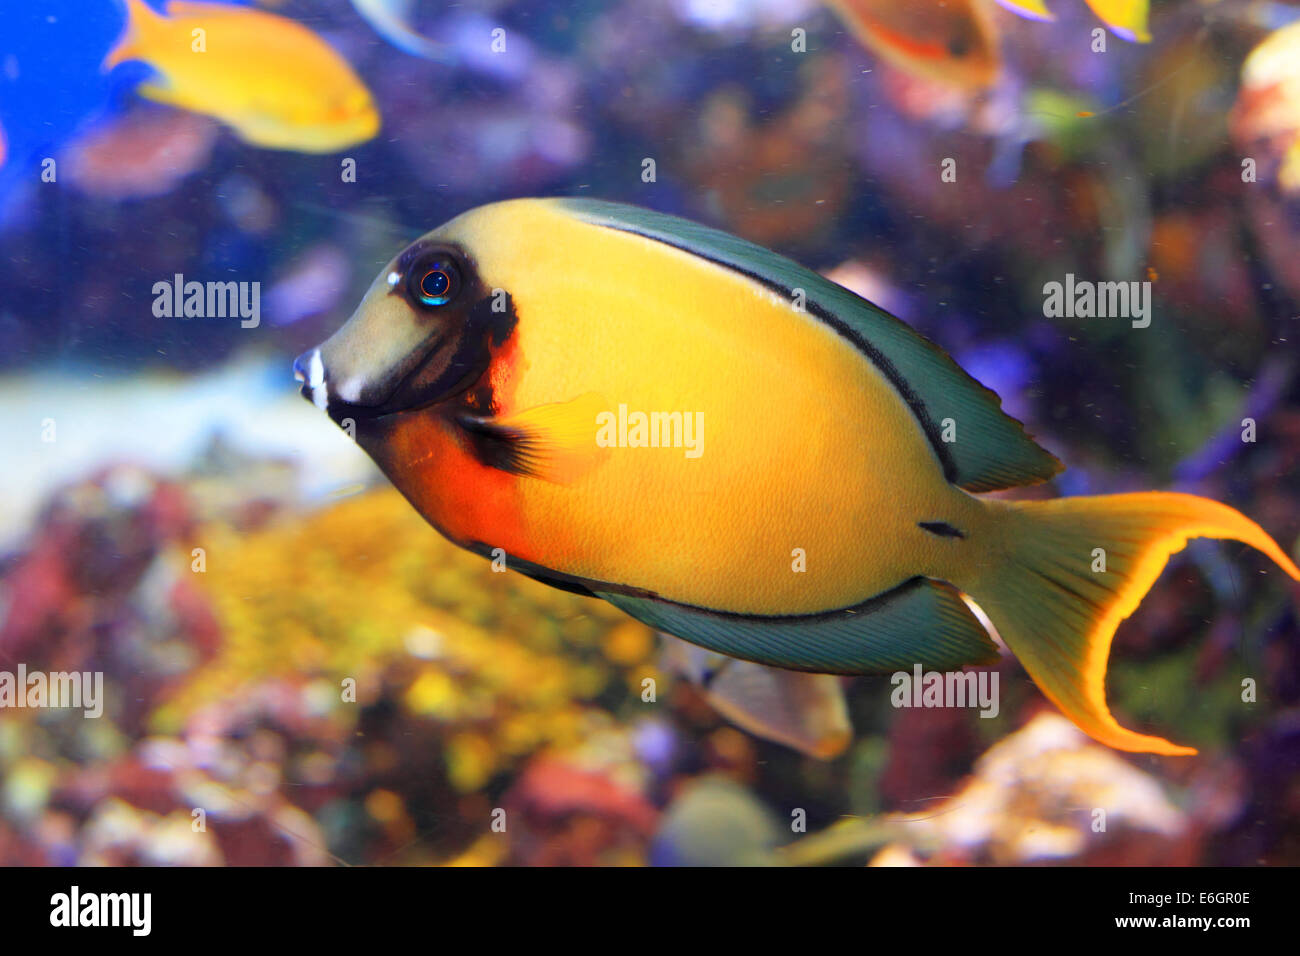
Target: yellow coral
<point>366,590</point>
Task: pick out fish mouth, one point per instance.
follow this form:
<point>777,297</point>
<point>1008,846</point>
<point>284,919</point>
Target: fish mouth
<point>309,369</point>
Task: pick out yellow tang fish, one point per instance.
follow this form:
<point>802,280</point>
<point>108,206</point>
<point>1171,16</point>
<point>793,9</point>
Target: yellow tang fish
<point>947,41</point>
<point>273,81</point>
<point>737,451</point>
<point>1127,18</point>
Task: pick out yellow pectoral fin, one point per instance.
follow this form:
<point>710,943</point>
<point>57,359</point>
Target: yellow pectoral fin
<point>555,442</point>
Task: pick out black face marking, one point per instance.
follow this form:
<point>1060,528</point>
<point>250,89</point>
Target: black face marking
<point>485,328</point>
<point>878,358</point>
<point>461,334</point>
<point>507,449</point>
<point>421,248</point>
<point>499,319</point>
<point>941,528</point>
<point>423,252</point>
<point>498,448</point>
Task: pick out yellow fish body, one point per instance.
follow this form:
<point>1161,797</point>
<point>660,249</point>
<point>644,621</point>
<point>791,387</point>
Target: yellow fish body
<point>273,81</point>
<point>735,451</point>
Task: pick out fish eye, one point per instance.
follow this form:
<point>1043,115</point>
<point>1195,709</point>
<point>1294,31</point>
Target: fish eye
<point>434,281</point>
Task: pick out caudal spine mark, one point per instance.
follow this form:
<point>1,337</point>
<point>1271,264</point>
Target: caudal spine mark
<point>941,529</point>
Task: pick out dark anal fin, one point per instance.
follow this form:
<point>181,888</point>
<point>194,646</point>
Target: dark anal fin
<point>919,622</point>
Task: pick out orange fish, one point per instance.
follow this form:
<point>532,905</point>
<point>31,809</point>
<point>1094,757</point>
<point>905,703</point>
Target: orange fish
<point>953,42</point>
<point>738,452</point>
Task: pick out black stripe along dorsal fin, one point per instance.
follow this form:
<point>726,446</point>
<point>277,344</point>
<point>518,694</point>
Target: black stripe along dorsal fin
<point>991,450</point>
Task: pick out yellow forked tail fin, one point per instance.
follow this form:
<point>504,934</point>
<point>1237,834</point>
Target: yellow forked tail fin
<point>1056,608</point>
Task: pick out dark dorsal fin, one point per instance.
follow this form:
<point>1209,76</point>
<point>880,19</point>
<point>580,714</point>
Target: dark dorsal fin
<point>991,449</point>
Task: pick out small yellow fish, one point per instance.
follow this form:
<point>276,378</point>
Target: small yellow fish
<point>953,42</point>
<point>737,451</point>
<point>1127,18</point>
<point>274,82</point>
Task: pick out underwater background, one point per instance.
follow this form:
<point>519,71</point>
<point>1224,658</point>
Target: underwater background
<point>287,647</point>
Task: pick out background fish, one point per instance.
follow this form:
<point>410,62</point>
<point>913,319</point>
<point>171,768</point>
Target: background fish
<point>949,41</point>
<point>1267,111</point>
<point>804,711</point>
<point>832,496</point>
<point>1127,18</point>
<point>392,21</point>
<point>272,80</point>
